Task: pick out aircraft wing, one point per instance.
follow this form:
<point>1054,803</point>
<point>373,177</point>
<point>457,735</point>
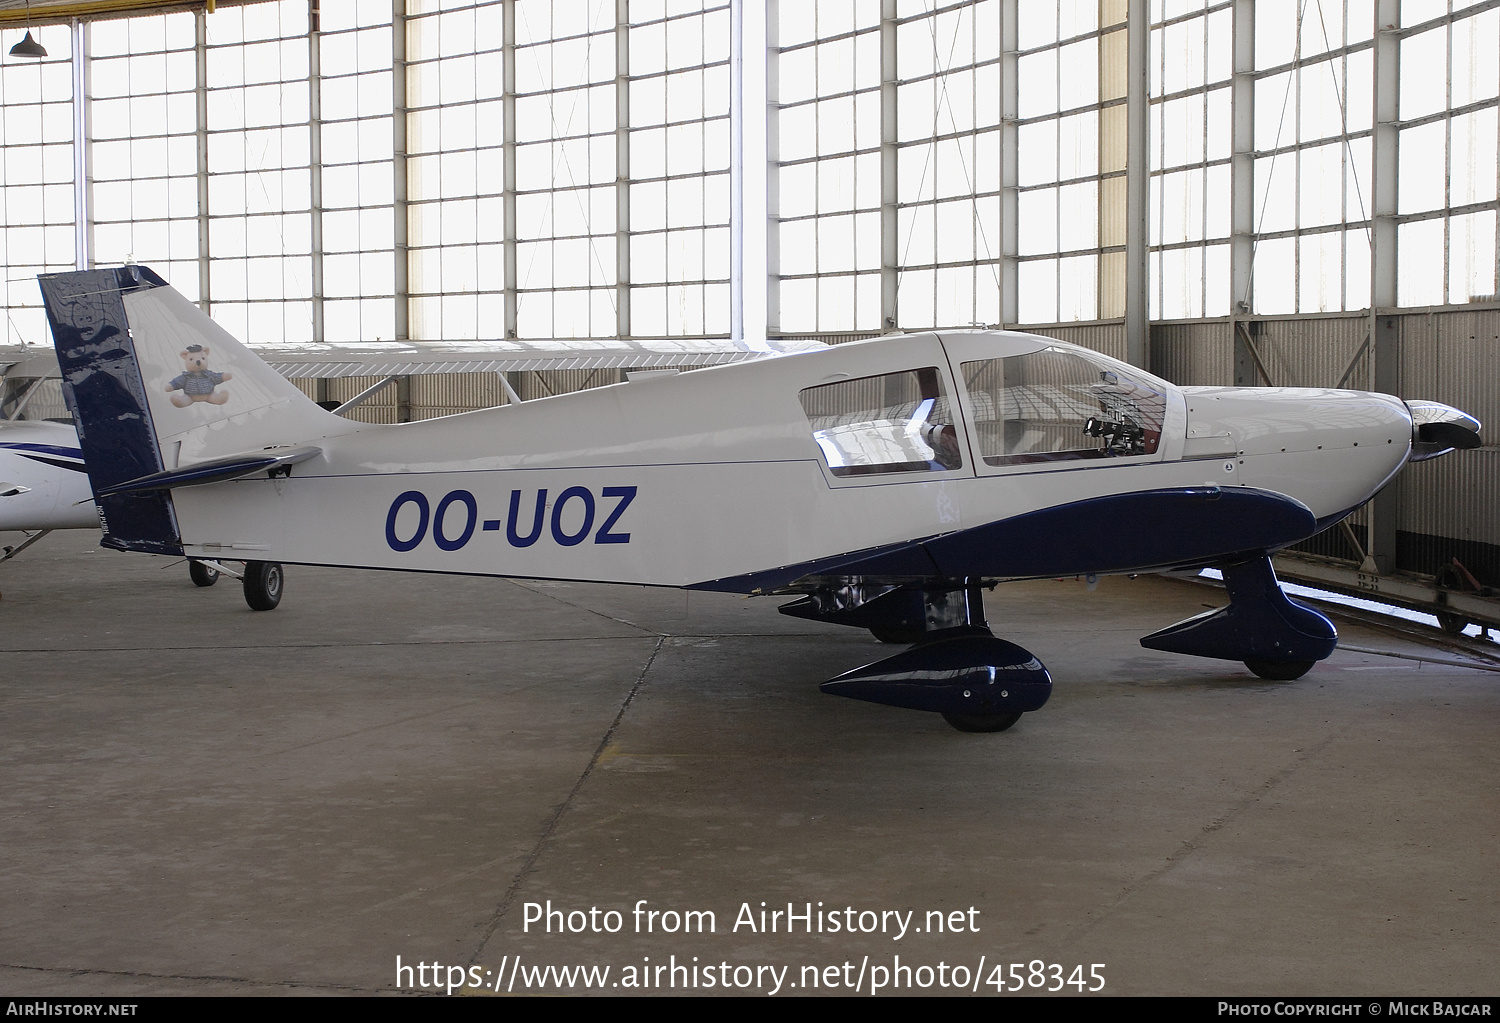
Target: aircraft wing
<point>405,358</point>
<point>302,360</point>
<point>27,361</point>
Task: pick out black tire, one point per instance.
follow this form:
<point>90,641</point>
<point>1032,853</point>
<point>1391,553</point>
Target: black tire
<point>1280,671</point>
<point>263,584</point>
<point>982,722</point>
<point>201,574</point>
<point>897,634</point>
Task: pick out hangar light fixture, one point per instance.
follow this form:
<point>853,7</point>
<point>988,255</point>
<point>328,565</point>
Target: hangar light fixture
<point>28,47</point>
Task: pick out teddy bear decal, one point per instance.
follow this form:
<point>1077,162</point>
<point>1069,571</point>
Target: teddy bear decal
<point>198,383</point>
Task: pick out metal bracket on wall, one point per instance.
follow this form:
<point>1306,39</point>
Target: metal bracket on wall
<point>1260,366</point>
<point>1359,352</point>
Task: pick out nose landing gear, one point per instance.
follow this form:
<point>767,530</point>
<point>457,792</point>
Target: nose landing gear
<point>1275,636</point>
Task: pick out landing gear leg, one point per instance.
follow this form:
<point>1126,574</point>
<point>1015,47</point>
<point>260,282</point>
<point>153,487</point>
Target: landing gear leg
<point>964,610</point>
<point>6,553</point>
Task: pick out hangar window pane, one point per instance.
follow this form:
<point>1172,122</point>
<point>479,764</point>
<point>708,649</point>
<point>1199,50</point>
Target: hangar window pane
<point>260,175</point>
<point>1190,117</point>
<point>358,198</point>
<point>897,422</point>
<point>678,151</point>
<point>1447,151</point>
<point>454,132</point>
<point>828,127</point>
<point>36,184</point>
<point>1313,169</point>
<point>1070,218</point>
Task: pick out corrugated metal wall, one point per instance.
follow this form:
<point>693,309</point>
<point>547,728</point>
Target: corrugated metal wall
<point>1313,352</point>
<point>46,403</point>
<point>1454,357</point>
<point>1105,338</point>
<point>1193,354</point>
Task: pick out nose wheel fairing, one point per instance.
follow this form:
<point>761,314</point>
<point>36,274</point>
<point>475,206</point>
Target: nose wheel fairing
<point>1262,626</point>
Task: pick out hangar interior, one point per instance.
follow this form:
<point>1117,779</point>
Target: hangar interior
<point>1247,192</point>
<point>1280,192</point>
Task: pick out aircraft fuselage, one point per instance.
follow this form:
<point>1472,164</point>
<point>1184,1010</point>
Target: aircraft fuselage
<point>717,473</point>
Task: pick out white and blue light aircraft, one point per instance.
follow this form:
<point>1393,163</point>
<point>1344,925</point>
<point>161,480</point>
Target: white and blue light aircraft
<point>44,485</point>
<point>883,484</point>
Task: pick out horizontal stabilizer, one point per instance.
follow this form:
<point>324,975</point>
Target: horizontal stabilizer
<point>231,467</point>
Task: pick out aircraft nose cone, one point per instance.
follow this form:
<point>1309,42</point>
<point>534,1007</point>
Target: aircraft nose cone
<point>1437,429</point>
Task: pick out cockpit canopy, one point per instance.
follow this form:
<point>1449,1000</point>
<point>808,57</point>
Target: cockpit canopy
<point>1047,403</point>
<point>1058,404</point>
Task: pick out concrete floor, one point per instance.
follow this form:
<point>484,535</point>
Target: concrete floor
<point>201,799</point>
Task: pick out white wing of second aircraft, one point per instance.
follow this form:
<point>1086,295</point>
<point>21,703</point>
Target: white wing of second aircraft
<point>304,360</point>
<point>43,486</point>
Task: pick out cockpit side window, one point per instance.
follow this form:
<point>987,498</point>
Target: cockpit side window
<point>1056,405</point>
<point>897,422</point>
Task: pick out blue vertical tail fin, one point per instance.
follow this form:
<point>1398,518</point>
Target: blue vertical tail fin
<point>104,390</point>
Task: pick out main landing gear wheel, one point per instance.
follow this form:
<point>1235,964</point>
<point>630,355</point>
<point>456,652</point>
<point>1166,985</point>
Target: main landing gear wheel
<point>981,722</point>
<point>1280,671</point>
<point>201,574</point>
<point>263,584</point>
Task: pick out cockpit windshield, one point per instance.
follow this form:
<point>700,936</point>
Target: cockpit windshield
<point>1058,404</point>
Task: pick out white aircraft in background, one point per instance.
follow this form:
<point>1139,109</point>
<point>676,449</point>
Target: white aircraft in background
<point>884,483</point>
<point>45,486</point>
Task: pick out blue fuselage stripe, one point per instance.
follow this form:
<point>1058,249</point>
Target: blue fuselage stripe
<point>46,449</point>
<point>48,454</point>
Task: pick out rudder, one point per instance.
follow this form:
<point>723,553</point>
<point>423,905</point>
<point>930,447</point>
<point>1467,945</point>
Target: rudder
<point>103,388</point>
